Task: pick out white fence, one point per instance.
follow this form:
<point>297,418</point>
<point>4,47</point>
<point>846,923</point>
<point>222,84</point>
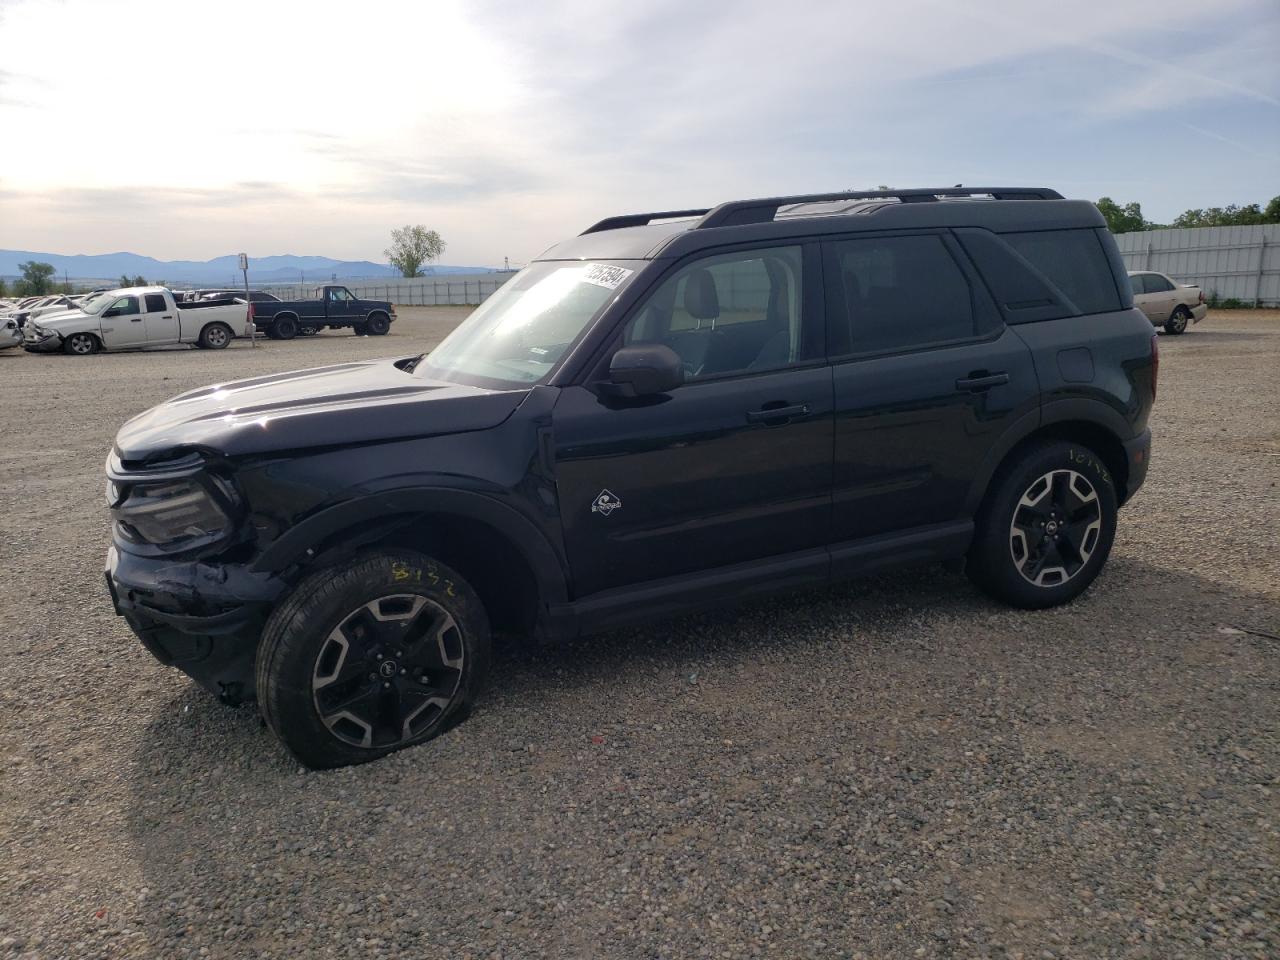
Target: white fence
<point>1227,262</point>
<point>419,291</point>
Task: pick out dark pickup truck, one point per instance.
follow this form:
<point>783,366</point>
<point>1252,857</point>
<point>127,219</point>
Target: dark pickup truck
<point>332,306</point>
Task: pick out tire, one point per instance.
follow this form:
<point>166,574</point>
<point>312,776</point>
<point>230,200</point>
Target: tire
<point>1177,322</point>
<point>215,336</point>
<point>285,328</point>
<point>1046,527</point>
<point>331,710</point>
<point>359,329</point>
<point>378,324</point>
<point>81,345</point>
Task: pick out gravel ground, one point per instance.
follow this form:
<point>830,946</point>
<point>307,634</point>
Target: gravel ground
<point>893,768</point>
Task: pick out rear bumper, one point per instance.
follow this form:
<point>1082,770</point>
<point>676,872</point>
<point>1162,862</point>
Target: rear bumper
<point>1199,312</point>
<point>203,619</point>
<point>1137,453</point>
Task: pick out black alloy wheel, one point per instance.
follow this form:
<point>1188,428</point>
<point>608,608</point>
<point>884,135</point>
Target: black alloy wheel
<point>1055,529</point>
<point>388,671</point>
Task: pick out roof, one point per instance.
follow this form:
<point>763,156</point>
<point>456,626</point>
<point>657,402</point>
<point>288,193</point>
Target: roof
<point>998,209</point>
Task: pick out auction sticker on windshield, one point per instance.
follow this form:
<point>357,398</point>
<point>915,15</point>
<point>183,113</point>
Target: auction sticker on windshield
<point>605,275</point>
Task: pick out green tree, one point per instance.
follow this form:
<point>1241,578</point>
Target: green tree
<point>411,247</point>
<point>1272,213</point>
<point>1126,219</point>
<point>35,278</point>
<point>138,281</point>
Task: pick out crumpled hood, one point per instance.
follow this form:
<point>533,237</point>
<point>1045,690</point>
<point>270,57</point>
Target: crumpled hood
<point>362,402</point>
<point>54,321</point>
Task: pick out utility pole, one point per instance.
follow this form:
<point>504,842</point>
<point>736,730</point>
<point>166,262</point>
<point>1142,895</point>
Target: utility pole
<point>248,304</point>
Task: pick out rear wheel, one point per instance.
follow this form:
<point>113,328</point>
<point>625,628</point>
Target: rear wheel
<point>1047,527</point>
<point>285,328</point>
<point>370,657</point>
<point>1177,322</point>
<point>378,325</point>
<point>80,344</point>
<point>215,336</point>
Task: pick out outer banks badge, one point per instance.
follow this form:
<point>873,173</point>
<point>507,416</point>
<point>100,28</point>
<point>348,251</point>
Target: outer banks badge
<point>605,503</point>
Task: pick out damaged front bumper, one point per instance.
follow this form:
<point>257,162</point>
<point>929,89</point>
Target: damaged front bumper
<point>205,619</point>
<point>49,343</point>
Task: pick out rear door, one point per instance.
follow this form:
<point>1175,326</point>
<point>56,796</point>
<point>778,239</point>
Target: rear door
<point>733,466</point>
<point>122,323</point>
<point>160,319</point>
<point>927,378</point>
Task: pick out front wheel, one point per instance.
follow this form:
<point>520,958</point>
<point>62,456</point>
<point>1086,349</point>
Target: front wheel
<point>378,325</point>
<point>1046,528</point>
<point>1177,322</point>
<point>80,344</point>
<point>370,657</point>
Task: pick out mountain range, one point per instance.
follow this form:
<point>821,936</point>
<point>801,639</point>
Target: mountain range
<point>219,270</point>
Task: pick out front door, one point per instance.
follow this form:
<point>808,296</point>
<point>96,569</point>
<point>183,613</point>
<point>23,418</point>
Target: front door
<point>122,324</point>
<point>341,306</point>
<point>927,378</point>
<point>161,320</point>
<point>1159,298</point>
<point>731,467</point>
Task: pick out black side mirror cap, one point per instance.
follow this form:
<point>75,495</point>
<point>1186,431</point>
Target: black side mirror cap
<point>644,370</point>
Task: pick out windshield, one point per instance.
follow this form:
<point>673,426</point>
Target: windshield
<point>520,333</point>
<point>96,303</point>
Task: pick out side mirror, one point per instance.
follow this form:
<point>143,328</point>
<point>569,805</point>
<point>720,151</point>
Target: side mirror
<point>645,370</point>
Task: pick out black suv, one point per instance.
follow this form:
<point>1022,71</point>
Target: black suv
<point>670,410</point>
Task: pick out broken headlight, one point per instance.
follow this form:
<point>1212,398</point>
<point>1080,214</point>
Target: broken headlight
<point>181,512</point>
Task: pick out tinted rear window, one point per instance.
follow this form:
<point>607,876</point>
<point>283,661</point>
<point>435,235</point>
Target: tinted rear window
<point>1074,261</point>
<point>155,303</point>
<point>896,293</point>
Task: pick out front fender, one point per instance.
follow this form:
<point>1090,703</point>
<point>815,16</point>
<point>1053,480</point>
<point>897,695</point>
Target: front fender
<point>292,546</point>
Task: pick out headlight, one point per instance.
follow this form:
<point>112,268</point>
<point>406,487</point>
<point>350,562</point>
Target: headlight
<point>161,514</point>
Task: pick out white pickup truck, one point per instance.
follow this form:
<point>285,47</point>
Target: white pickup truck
<point>135,317</point>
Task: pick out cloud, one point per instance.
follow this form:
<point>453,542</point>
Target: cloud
<point>508,125</point>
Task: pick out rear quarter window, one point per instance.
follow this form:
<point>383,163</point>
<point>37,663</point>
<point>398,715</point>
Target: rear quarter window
<point>1074,262</point>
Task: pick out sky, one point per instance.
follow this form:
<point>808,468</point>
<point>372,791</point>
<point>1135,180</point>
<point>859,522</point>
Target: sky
<point>189,130</point>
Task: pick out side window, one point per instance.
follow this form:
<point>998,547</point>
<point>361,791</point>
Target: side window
<point>730,314</point>
<point>1157,284</point>
<point>124,305</point>
<point>1074,262</point>
<point>896,293</point>
<point>1137,283</point>
<point>155,303</point>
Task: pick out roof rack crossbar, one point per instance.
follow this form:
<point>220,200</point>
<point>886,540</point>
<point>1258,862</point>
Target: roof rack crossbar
<point>640,219</point>
<point>740,212</point>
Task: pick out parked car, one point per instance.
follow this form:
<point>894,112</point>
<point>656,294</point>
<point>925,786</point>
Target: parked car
<point>653,417</point>
<point>10,335</point>
<point>255,296</point>
<point>132,318</point>
<point>1166,302</point>
<point>52,304</point>
<point>331,306</point>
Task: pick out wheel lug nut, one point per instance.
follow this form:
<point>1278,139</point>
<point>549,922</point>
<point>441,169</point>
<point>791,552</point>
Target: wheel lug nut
<point>379,656</point>
<point>373,676</point>
<point>386,686</point>
<point>403,671</point>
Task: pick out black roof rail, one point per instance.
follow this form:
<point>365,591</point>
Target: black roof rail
<point>640,219</point>
<point>740,212</point>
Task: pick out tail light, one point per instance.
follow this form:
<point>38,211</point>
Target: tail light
<point>1202,296</point>
<point>1155,363</point>
<point>251,311</point>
